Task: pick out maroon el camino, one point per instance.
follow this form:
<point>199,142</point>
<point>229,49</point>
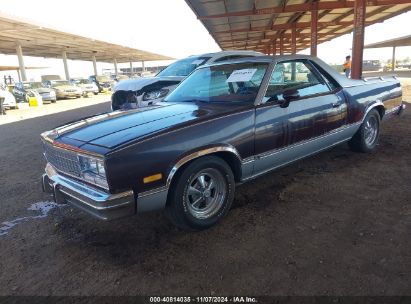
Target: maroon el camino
<point>225,124</point>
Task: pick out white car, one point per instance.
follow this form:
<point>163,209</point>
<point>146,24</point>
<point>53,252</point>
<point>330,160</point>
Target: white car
<point>9,100</point>
<point>141,92</point>
<point>86,85</point>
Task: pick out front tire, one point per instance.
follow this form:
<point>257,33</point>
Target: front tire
<point>201,194</point>
<point>366,138</point>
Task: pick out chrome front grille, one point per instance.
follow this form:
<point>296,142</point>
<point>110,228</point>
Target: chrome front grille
<point>62,160</point>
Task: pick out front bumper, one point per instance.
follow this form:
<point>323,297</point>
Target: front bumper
<point>49,97</point>
<point>68,94</point>
<point>103,205</point>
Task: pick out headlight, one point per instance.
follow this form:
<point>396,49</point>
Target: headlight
<point>93,171</point>
<point>155,94</point>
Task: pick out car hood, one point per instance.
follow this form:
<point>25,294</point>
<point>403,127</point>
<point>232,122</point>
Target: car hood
<point>66,87</point>
<point>113,129</point>
<point>87,85</point>
<point>140,83</point>
<point>42,90</point>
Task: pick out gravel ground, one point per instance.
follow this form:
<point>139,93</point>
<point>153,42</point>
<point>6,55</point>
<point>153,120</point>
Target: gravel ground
<point>337,223</point>
<point>52,108</point>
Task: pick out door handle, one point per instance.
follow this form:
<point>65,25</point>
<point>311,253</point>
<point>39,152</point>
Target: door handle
<point>336,104</point>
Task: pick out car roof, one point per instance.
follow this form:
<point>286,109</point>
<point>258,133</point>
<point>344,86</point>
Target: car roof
<point>229,52</point>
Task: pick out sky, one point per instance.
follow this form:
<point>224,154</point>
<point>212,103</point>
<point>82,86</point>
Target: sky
<point>166,27</point>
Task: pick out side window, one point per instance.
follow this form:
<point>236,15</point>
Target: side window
<point>296,78</point>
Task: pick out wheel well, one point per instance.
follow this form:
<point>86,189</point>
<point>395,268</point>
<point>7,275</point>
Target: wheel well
<point>231,159</point>
<point>381,110</point>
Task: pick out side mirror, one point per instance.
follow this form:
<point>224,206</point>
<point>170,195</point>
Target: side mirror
<point>289,96</point>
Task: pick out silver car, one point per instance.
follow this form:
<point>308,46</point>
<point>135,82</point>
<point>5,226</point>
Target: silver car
<point>140,92</point>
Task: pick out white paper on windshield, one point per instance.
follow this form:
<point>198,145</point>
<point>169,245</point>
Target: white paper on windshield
<point>198,61</point>
<point>243,75</point>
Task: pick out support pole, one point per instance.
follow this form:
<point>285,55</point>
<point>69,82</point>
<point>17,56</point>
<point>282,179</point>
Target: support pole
<point>115,66</point>
<point>21,62</point>
<point>358,38</point>
<point>143,68</point>
<point>131,69</point>
<point>275,47</point>
<point>95,65</point>
<point>66,71</point>
<point>281,45</point>
<point>293,39</point>
<point>393,59</point>
<point>314,29</point>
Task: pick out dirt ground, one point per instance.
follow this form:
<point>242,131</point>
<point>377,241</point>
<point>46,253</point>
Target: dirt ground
<point>337,223</point>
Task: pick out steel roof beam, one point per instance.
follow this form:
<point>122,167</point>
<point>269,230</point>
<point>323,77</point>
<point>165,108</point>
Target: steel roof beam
<point>303,7</point>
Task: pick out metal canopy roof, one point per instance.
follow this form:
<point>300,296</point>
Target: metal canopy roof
<point>41,41</point>
<point>16,68</point>
<point>401,41</point>
<point>256,24</point>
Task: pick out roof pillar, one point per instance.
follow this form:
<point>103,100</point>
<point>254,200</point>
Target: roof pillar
<point>95,65</point>
<point>115,66</point>
<point>274,46</point>
<point>66,70</point>
<point>358,38</point>
<point>393,59</point>
<point>143,68</point>
<point>281,44</point>
<point>293,39</point>
<point>131,69</point>
<point>314,29</point>
<point>21,62</point>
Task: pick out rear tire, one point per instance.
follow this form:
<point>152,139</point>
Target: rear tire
<point>201,194</point>
<point>366,138</point>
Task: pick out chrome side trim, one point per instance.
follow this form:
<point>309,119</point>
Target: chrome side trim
<point>152,191</point>
<point>200,153</point>
<point>393,110</point>
<point>275,159</point>
<point>308,141</point>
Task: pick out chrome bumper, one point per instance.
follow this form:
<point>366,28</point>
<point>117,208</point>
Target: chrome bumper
<point>98,203</point>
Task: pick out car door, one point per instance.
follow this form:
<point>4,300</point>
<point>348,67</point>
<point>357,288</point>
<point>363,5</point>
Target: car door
<point>299,107</point>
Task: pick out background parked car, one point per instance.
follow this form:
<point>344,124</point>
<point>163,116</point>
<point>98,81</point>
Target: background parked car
<point>9,100</point>
<point>64,88</point>
<point>148,90</point>
<point>102,82</point>
<point>86,85</point>
<point>22,90</point>
<point>116,79</point>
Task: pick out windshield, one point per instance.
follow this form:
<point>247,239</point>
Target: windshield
<point>183,67</point>
<point>32,85</point>
<point>221,83</point>
<point>60,82</point>
<point>81,81</point>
